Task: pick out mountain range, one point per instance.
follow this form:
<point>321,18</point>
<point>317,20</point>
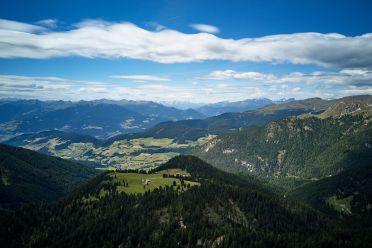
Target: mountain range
<point>239,106</point>
<point>100,118</point>
<point>168,139</point>
<point>296,174</point>
<point>233,122</point>
<point>103,118</point>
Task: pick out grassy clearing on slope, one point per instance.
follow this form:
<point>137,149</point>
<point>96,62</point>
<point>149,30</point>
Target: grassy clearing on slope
<point>342,205</point>
<point>137,182</point>
<point>174,171</point>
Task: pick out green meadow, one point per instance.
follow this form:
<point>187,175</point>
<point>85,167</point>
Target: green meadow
<point>136,183</point>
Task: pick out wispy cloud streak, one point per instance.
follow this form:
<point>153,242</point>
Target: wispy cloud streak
<point>141,77</point>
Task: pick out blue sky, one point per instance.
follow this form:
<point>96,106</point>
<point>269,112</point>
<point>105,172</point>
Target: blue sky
<point>196,51</point>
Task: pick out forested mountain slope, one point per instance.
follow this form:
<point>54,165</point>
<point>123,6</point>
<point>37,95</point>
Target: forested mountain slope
<point>305,147</point>
<point>348,193</point>
<point>233,122</point>
<point>27,176</point>
<point>223,211</point>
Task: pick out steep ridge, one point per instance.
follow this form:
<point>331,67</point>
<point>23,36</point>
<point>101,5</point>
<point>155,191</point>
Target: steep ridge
<point>306,147</point>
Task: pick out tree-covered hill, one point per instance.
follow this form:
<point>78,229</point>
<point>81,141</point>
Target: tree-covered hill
<point>225,210</point>
<point>27,176</point>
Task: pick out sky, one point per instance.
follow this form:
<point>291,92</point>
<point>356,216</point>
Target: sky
<point>185,51</point>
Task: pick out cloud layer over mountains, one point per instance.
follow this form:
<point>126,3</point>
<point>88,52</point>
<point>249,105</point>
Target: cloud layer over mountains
<point>97,38</point>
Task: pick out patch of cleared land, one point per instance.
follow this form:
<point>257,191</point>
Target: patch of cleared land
<point>342,205</point>
<point>136,183</point>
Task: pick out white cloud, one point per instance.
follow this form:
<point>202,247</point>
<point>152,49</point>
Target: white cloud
<point>231,74</point>
<point>205,28</point>
<point>141,78</point>
<point>50,23</point>
<point>355,77</point>
<point>53,88</point>
<point>12,27</point>
<point>97,38</point>
<point>222,85</point>
<point>356,72</point>
<point>353,90</point>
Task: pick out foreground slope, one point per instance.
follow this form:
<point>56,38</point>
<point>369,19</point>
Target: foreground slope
<point>27,176</point>
<point>221,210</point>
